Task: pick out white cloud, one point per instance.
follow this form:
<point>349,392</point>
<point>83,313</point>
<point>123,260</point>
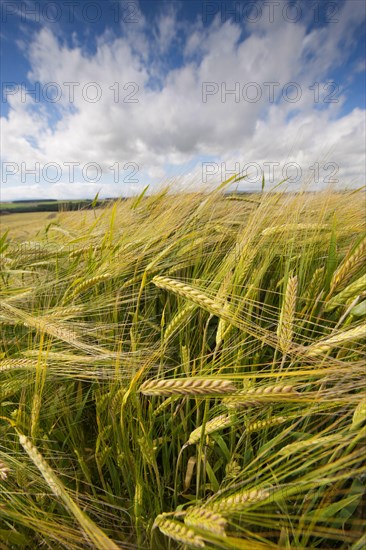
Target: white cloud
<point>167,29</point>
<point>170,124</point>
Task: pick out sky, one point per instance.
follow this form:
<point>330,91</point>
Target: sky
<point>110,96</point>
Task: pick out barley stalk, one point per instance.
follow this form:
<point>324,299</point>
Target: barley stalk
<point>217,423</point>
<point>249,398</point>
<point>285,326</point>
<point>187,386</point>
<point>178,531</point>
<point>337,340</point>
<point>138,500</point>
<point>238,501</point>
<point>205,519</point>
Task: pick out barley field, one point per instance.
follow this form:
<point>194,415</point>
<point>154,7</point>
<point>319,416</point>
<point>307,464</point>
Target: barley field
<point>23,227</point>
<point>185,371</point>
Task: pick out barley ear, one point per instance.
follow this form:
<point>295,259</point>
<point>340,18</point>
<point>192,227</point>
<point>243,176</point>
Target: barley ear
<point>349,267</point>
<point>238,501</point>
<point>187,386</point>
<point>285,325</point>
<point>359,415</point>
<point>263,424</point>
<point>256,397</point>
<point>178,531</point>
<point>315,284</point>
<point>205,519</point>
<point>323,346</point>
<point>217,423</point>
<point>350,291</point>
<point>88,283</point>
<point>94,533</point>
<point>4,470</point>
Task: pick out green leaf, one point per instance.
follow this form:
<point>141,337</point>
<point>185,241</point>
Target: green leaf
<point>139,198</point>
<point>95,200</point>
<point>331,510</point>
<point>357,489</point>
<point>211,476</point>
<point>359,310</point>
<point>223,447</point>
<point>13,537</point>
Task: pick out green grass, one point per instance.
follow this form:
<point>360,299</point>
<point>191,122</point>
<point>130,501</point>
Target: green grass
<point>106,315</point>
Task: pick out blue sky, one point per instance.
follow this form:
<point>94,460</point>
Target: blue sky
<point>135,92</point>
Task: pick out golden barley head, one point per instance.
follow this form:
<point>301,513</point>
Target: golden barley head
<point>187,386</point>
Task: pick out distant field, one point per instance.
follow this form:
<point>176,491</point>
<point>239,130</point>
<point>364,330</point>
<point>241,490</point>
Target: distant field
<point>46,206</point>
<point>25,219</point>
<point>25,226</point>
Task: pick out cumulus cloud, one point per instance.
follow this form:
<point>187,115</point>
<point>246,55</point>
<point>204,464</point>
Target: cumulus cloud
<point>127,108</point>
